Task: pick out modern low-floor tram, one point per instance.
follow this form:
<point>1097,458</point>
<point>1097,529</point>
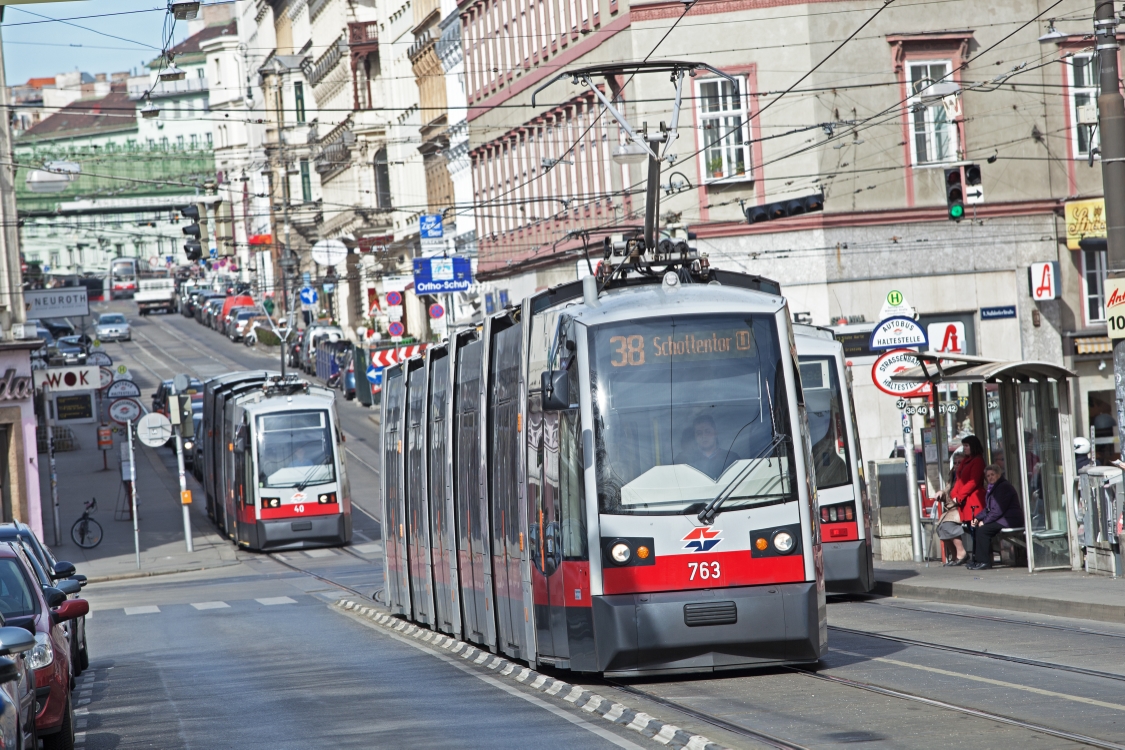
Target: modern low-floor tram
<point>277,477</point>
<point>612,482</point>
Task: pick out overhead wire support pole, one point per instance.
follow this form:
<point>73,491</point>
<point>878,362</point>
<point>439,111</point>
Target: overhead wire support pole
<point>1111,123</point>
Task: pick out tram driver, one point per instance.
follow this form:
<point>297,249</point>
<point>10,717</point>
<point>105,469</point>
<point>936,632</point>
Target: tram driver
<point>708,456</point>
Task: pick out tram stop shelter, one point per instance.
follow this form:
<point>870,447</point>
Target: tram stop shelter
<point>1021,413</point>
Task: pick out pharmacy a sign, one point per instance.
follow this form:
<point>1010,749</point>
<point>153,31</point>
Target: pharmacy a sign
<point>897,333</point>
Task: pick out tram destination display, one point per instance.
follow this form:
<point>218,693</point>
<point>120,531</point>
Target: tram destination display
<point>635,349</point>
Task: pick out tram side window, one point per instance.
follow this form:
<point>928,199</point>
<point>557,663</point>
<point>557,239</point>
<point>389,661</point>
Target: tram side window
<point>295,449</point>
<point>827,429</point>
<point>571,490</point>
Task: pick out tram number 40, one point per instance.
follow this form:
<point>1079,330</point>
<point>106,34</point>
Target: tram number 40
<point>704,570</point>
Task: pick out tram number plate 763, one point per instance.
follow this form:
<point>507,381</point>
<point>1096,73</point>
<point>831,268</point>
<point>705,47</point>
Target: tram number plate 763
<point>704,570</point>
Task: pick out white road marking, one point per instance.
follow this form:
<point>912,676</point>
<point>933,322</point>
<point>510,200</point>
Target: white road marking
<point>320,553</point>
<point>148,609</point>
<point>357,458</point>
<point>369,549</point>
<point>209,605</point>
<point>272,600</point>
<point>986,680</point>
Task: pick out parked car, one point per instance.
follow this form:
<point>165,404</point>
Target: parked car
<point>200,307</point>
<point>213,311</point>
<point>240,322</point>
<point>45,610</point>
<point>17,690</point>
<point>113,327</point>
<point>160,395</point>
<point>68,350</point>
<point>314,336</point>
<point>189,443</point>
<point>58,327</point>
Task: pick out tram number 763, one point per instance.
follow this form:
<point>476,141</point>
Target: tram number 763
<point>704,569</point>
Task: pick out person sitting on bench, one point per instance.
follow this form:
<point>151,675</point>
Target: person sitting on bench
<point>1002,510</point>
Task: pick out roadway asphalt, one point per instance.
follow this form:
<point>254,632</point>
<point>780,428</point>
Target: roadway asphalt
<point>276,667</point>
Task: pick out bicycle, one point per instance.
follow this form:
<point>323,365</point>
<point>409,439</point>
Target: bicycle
<point>86,532</point>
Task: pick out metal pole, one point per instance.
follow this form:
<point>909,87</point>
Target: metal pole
<point>183,487</point>
<point>1111,123</point>
<point>912,489</point>
<point>51,461</point>
<point>652,204</point>
<point>133,484</point>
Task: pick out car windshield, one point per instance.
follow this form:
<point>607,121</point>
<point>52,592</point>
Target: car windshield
<point>111,319</point>
<point>295,449</point>
<point>16,599</point>
<point>686,406</point>
<point>821,386</point>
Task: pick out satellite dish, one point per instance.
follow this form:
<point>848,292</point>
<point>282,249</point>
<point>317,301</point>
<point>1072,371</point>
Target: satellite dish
<point>329,252</point>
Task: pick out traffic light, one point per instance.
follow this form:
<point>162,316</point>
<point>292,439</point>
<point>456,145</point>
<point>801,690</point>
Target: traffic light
<point>955,192</point>
<point>194,246</point>
<point>974,192</point>
<point>785,208</point>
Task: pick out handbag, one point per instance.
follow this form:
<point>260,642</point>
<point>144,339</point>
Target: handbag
<point>951,515</point>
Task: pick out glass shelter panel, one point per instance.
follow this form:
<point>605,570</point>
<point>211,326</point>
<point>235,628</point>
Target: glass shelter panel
<point>1046,506</point>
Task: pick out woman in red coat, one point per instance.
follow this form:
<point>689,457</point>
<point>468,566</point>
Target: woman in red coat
<point>968,490</point>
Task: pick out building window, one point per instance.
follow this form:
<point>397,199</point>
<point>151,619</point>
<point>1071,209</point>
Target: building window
<point>180,142</point>
<point>1083,93</point>
<point>208,138</point>
<point>306,181</point>
<point>934,134</point>
<point>200,73</point>
<point>194,141</point>
<point>382,180</point>
<point>726,138</point>
<point>299,98</point>
<point>1093,284</point>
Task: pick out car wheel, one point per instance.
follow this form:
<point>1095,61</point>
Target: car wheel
<point>64,738</point>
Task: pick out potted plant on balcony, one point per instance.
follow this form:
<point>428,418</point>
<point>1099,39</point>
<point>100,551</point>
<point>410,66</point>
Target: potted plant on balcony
<point>715,167</point>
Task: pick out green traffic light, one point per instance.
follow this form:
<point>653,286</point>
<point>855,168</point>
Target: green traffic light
<point>956,211</point>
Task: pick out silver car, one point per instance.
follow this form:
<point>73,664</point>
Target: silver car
<point>113,327</point>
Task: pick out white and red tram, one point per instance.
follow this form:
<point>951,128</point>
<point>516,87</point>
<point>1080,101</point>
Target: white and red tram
<point>845,512</point>
<point>611,480</point>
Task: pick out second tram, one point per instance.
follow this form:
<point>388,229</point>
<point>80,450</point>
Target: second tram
<point>616,477</point>
<point>122,278</point>
<point>273,468</point>
<point>845,512</point>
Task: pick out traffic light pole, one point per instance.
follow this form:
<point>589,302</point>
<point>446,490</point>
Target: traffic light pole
<point>1111,123</point>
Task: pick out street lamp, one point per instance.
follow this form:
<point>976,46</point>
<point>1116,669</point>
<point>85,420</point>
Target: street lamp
<point>150,110</point>
<point>1052,35</point>
<point>184,10</point>
<point>630,153</point>
<point>172,73</point>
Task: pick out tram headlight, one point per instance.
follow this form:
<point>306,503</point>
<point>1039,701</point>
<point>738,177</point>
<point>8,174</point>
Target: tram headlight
<point>620,553</point>
<point>783,542</point>
<point>271,502</point>
<point>327,498</point>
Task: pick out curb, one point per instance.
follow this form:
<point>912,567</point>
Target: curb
<point>579,697</point>
<point>1012,602</point>
<point>151,573</point>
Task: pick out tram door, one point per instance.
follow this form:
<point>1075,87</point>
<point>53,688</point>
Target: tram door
<point>396,574</point>
<point>507,530</point>
<point>443,541</point>
<point>417,499</point>
<point>471,497</point>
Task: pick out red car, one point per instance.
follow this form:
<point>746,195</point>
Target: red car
<point>43,610</point>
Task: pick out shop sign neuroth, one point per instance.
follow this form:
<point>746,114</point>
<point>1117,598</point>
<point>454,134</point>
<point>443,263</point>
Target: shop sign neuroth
<point>1115,307</point>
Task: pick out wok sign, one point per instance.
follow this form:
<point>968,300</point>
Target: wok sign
<point>68,378</point>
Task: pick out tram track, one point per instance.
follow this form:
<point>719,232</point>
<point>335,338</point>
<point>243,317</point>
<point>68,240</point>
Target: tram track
<point>979,713</point>
<point>984,654</point>
<point>992,618</point>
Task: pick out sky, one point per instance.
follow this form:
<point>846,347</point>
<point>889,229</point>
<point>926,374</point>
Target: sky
<point>34,47</point>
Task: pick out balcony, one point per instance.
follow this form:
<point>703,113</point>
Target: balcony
<point>363,32</point>
<point>327,62</point>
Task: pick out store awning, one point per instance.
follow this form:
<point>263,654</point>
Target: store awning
<point>1093,345</point>
<point>940,367</point>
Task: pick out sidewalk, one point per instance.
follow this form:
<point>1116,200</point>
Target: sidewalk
<point>1062,593</point>
<point>160,519</point>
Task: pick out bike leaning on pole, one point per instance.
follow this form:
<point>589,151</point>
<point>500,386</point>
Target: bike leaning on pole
<point>86,532</point>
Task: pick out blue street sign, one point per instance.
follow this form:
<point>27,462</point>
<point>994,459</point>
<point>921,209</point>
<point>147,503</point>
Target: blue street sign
<point>438,275</point>
<point>308,296</point>
<point>996,313</point>
<point>214,253</point>
<point>329,288</point>
<point>375,375</point>
<point>429,226</point>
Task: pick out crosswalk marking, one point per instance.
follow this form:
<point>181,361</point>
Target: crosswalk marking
<point>148,609</point>
<point>368,549</point>
<point>272,600</point>
<point>320,553</point>
<point>209,605</point>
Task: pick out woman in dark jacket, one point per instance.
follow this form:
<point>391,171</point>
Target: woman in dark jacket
<point>1002,510</point>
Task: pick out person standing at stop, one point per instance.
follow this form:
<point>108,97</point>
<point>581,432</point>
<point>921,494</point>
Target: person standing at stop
<point>968,490</point>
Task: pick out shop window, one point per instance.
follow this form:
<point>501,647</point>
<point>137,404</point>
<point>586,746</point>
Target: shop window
<point>933,134</point>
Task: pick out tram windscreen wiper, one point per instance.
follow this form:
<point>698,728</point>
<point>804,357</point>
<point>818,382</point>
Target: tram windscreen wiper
<point>307,479</point>
<point>707,515</point>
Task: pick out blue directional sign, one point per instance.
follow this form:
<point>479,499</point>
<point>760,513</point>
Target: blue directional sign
<point>439,275</point>
<point>375,375</point>
<point>429,226</point>
<point>308,296</point>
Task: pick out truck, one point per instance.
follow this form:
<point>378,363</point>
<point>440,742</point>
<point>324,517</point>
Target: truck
<point>155,294</point>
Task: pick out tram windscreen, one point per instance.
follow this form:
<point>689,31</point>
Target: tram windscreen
<point>295,449</point>
<point>825,408</point>
<point>688,408</point>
